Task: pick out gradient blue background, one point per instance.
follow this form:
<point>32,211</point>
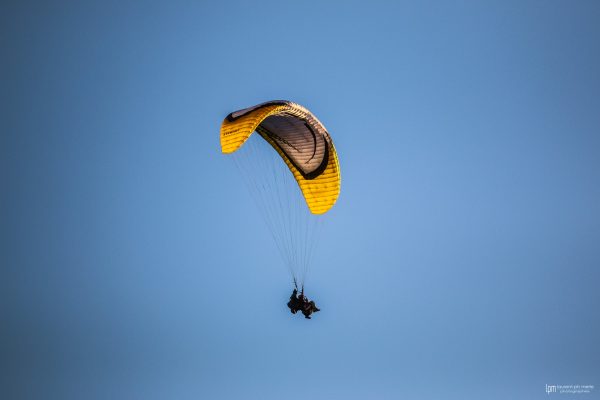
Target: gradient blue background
<point>461,261</point>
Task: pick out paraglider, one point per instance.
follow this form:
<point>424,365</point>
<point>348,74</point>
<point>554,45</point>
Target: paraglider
<point>301,303</point>
<point>292,151</point>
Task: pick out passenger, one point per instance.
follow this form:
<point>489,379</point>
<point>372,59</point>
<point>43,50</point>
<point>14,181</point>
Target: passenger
<point>294,304</point>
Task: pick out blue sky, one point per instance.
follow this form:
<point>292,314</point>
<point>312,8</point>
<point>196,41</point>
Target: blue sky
<point>461,260</point>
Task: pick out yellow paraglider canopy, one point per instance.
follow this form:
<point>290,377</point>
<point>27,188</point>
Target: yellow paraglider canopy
<point>300,139</point>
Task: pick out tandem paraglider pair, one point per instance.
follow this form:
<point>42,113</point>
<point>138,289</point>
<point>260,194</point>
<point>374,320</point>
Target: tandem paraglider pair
<point>292,171</point>
<point>301,303</point>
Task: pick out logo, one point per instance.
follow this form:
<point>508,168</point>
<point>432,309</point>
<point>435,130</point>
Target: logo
<point>569,389</point>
